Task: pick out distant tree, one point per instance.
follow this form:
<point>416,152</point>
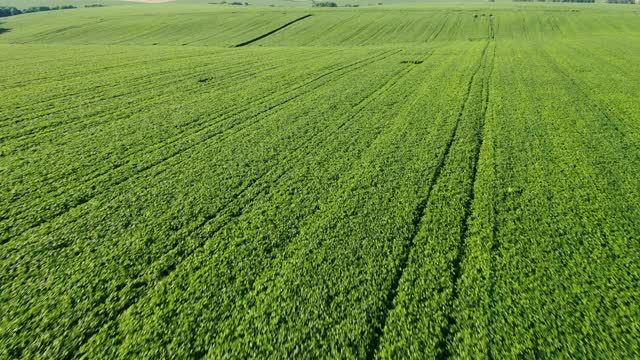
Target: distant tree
<point>9,11</point>
<point>63,7</point>
<point>36,9</point>
<point>325,4</point>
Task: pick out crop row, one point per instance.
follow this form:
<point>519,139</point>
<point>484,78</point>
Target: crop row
<point>131,236</point>
<point>291,274</point>
<point>549,270</point>
<point>64,169</point>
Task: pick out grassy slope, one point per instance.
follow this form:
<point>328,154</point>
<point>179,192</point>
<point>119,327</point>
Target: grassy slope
<point>162,25</point>
<point>313,195</point>
<point>224,26</point>
<point>21,4</point>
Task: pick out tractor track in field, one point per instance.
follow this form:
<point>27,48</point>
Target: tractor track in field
<point>35,133</point>
<point>419,212</point>
<point>329,29</point>
<point>167,270</point>
<point>179,137</point>
<point>590,53</point>
<point>448,332</point>
<point>122,67</point>
<point>52,127</point>
<point>263,184</point>
<point>417,220</point>
<point>258,38</point>
<point>435,34</point>
<point>613,119</point>
<point>188,73</point>
<point>191,144</point>
<point>144,78</point>
<point>106,71</point>
<point>359,107</point>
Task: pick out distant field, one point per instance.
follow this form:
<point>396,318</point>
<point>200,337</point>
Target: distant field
<point>436,181</point>
<point>216,3</point>
<point>197,25</point>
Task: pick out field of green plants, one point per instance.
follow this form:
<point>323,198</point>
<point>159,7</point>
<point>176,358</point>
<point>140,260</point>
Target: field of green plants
<point>434,181</point>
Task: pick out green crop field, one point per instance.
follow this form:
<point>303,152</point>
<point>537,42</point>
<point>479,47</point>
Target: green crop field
<point>398,181</point>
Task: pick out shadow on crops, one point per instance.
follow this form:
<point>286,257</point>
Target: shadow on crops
<point>3,30</point>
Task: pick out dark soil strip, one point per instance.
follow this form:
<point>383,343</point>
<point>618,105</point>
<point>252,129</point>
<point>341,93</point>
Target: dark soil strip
<point>272,31</point>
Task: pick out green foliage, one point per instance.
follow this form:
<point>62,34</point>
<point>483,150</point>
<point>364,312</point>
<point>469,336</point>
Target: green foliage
<point>443,181</point>
<point>324,4</point>
<point>9,11</point>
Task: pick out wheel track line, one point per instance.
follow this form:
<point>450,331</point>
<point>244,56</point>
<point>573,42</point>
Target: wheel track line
<point>597,106</point>
<point>448,331</point>
<point>239,73</point>
<point>374,346</point>
<point>84,73</point>
<point>146,85</point>
<point>417,220</point>
<point>64,96</point>
<point>44,108</point>
<point>207,219</point>
<point>315,141</point>
<point>192,101</point>
<point>106,118</point>
<point>219,61</point>
<point>267,34</point>
<point>495,228</point>
<point>360,106</point>
<point>103,117</point>
<point>437,33</point>
<point>153,164</point>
